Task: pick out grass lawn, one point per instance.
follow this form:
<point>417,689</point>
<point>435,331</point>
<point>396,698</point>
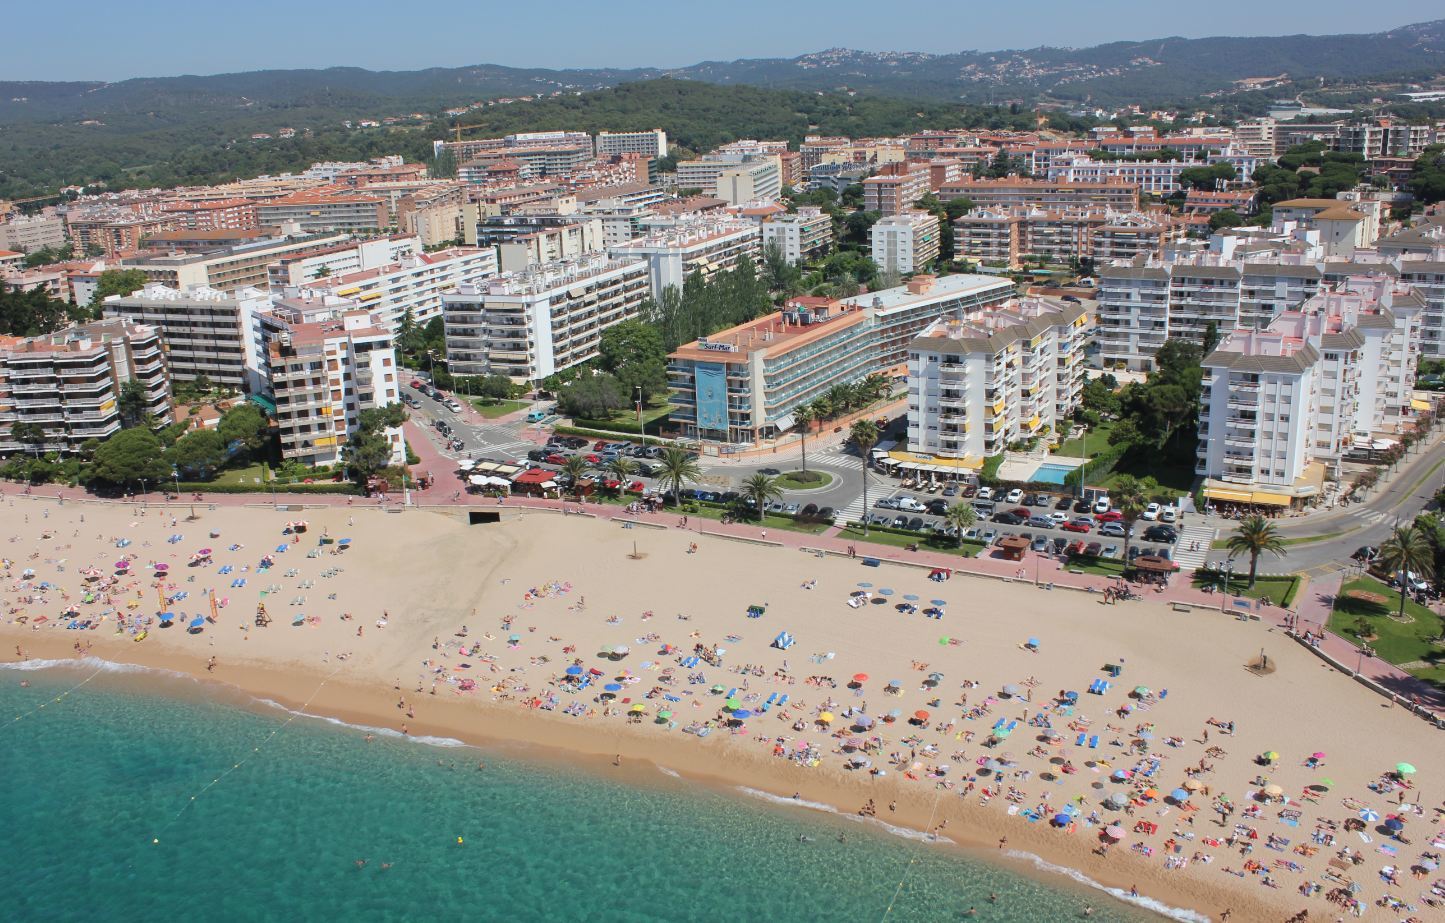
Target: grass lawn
<point>1105,567</point>
<point>854,533</point>
<point>1223,543</point>
<point>493,409</point>
<point>1174,477</point>
<point>1404,643</point>
<point>1097,440</point>
<point>792,480</point>
<point>1279,590</point>
<point>247,475</point>
<point>769,521</point>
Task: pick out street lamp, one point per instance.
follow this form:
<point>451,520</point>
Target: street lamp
<point>1228,578</point>
<point>640,428</point>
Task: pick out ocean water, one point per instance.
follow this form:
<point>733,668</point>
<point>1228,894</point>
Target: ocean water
<point>137,797</point>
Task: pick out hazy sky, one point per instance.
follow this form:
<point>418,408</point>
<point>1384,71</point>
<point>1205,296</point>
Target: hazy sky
<point>113,39</point>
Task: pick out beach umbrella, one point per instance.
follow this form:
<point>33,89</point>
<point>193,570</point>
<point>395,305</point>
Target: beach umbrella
<point>1405,769</point>
<point>920,715</point>
<point>612,687</point>
<point>1271,756</point>
<point>1273,791</point>
<point>1394,825</point>
<point>1141,691</point>
<point>1061,820</point>
<point>1151,793</point>
<point>1317,755</point>
<point>893,684</point>
<point>913,598</point>
<point>1179,794</point>
<point>717,688</point>
<point>638,708</point>
<point>621,650</point>
<point>1032,642</point>
<point>574,670</point>
<point>1114,832</point>
<point>1002,733</point>
<point>119,565</point>
<point>1369,816</point>
<point>1011,690</point>
<point>826,717</point>
<point>163,567</point>
<point>742,713</point>
<point>664,714</point>
<point>1121,775</point>
<point>893,715</point>
<point>993,765</point>
<point>938,602</point>
<point>860,761</point>
<point>732,704</point>
<point>866,586</point>
<point>860,677</point>
<point>596,672</point>
<point>514,639</point>
<point>1117,799</point>
<point>1193,785</point>
<point>344,541</point>
<point>885,592</point>
<point>196,622</point>
<point>863,721</point>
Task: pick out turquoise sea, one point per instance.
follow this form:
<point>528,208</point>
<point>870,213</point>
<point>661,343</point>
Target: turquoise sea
<point>111,809</point>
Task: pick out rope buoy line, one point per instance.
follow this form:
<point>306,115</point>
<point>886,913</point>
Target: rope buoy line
<point>241,762</point>
<point>21,717</point>
<point>912,860</point>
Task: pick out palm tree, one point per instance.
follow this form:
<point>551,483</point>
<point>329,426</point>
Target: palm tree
<point>840,396</point>
<point>762,489</point>
<point>622,468</point>
<point>822,408</point>
<point>1128,497</point>
<point>803,415</point>
<point>575,467</point>
<point>864,434</point>
<point>961,516</point>
<point>1254,537</point>
<point>1407,550</point>
<point>678,469</point>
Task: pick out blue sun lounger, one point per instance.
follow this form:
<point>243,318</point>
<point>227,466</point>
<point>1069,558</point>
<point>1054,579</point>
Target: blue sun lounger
<point>1080,741</point>
<point>1098,687</point>
<point>782,700</point>
<point>238,582</point>
<point>1094,742</point>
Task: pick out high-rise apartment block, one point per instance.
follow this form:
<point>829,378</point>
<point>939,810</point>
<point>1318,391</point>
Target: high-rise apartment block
<point>802,235</point>
<point>648,143</point>
<point>206,332</point>
<point>69,383</point>
<point>906,242</point>
<point>702,245</point>
<point>546,319</point>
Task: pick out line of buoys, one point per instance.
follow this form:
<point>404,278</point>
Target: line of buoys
<point>913,860</point>
<point>21,717</point>
<point>254,750</point>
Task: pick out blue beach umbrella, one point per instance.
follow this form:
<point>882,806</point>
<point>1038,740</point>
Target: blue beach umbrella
<point>1394,824</point>
<point>862,721</point>
<point>344,541</point>
<point>911,597</point>
<point>1061,820</point>
<point>574,670</point>
<point>1179,794</point>
<point>866,586</point>
<point>613,687</point>
<point>1033,642</point>
<point>885,592</point>
<point>939,602</point>
<point>1369,816</point>
<point>742,713</point>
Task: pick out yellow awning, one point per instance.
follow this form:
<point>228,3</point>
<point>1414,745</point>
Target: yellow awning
<point>1418,404</point>
<point>1270,499</point>
<point>1233,496</point>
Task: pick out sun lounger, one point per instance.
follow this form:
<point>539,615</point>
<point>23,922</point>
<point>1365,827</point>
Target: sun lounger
<point>1080,741</point>
<point>1094,742</point>
<point>782,700</point>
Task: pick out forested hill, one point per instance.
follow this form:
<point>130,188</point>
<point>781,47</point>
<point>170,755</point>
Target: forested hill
<point>1156,70</point>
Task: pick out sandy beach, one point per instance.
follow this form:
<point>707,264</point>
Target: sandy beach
<point>956,724</point>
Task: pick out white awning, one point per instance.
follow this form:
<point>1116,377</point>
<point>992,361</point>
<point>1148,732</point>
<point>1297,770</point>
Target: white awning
<point>467,465</point>
<point>477,480</point>
<point>786,422</point>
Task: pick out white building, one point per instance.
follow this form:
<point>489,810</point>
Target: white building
<point>416,283</point>
<point>704,245</point>
<point>552,245</point>
<point>801,236</point>
<point>206,332</point>
<point>1011,373</point>
<point>906,242</point>
<point>532,324</point>
<point>305,266</point>
<point>69,383</point>
<point>1279,407</point>
<point>327,361</point>
<point>648,143</point>
<point>27,233</point>
<point>754,181</point>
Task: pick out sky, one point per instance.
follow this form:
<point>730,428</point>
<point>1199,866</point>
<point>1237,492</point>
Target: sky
<point>110,40</point>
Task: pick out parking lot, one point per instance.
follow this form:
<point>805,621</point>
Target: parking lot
<point>1052,522</point>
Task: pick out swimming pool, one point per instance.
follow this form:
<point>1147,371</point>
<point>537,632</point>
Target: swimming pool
<point>1051,473</point>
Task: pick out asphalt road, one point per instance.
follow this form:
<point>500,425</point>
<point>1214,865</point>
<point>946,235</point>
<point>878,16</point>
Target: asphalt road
<point>1346,528</point>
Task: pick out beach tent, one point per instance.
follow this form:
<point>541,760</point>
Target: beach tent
<point>784,641</point>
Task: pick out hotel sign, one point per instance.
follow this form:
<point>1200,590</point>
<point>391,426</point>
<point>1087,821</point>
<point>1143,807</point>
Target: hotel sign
<point>716,347</point>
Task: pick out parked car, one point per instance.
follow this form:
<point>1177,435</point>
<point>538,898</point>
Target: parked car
<point>1021,512</point>
<point>1083,506</point>
<point>1169,513</point>
<point>1112,530</point>
<point>911,505</point>
<point>1040,522</point>
<point>937,506</point>
<point>915,524</point>
<point>1366,553</point>
<point>1111,516</point>
<point>1077,525</point>
<point>987,536</point>
<point>826,514</point>
<point>556,458</point>
<point>1093,549</point>
<point>537,455</point>
<point>1161,533</point>
<point>985,493</point>
<point>1111,551</point>
<point>1060,543</point>
<point>1058,518</point>
<point>1008,519</point>
<point>1063,503</point>
<point>1014,496</point>
<point>887,503</point>
<point>1101,505</point>
<point>982,508</point>
<point>1151,512</point>
<point>1041,544</point>
<point>951,490</point>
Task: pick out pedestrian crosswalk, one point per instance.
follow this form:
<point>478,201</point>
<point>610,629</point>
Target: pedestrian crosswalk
<point>836,458</point>
<point>1192,549</point>
<point>852,512</point>
<point>1372,516</point>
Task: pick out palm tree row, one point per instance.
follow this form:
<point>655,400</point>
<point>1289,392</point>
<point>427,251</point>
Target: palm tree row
<point>842,399</point>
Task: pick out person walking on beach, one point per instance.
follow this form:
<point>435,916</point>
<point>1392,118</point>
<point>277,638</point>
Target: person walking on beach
<point>211,665</point>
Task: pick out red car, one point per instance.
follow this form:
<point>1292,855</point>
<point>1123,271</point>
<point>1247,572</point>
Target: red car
<point>1111,516</point>
<point>636,487</point>
<point>556,459</point>
<point>594,459</point>
<point>1021,512</point>
<point>599,445</point>
<point>416,382</point>
<point>1075,527</point>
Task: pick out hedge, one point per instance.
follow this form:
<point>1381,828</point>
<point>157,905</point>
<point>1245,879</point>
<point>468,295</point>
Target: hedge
<point>329,487</point>
<point>651,427</point>
<point>608,434</point>
<point>1096,468</point>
